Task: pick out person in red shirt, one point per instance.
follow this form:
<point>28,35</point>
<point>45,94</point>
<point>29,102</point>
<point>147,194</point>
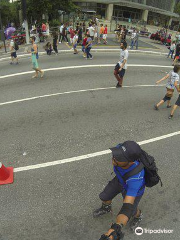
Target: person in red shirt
<point>105,35</point>
<point>43,27</point>
<point>71,34</point>
<point>84,44</point>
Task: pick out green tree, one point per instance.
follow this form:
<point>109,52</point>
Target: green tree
<point>35,9</point>
<point>9,12</point>
<point>177,8</point>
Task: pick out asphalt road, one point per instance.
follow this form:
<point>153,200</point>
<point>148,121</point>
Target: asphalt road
<point>56,202</point>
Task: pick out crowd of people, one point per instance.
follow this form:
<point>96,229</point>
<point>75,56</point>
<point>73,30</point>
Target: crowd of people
<point>82,35</point>
<point>163,36</point>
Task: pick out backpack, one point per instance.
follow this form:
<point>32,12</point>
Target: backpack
<point>151,171</point>
<point>16,46</point>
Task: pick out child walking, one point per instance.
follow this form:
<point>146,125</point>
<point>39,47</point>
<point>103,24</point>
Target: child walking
<point>177,104</point>
<point>172,49</point>
<point>173,79</point>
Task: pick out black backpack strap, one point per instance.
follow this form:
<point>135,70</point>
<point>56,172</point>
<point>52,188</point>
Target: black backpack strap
<point>135,171</point>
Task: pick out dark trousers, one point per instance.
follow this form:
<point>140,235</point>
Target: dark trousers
<point>64,37</point>
<point>60,37</point>
<point>49,51</point>
<point>55,48</point>
<point>88,49</point>
<point>114,188</point>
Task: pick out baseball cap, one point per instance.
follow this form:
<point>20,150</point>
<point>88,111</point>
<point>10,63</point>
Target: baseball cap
<point>128,151</point>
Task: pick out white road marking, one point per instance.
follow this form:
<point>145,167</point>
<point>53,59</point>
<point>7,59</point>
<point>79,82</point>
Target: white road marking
<point>82,66</point>
<point>87,156</point>
<point>78,91</point>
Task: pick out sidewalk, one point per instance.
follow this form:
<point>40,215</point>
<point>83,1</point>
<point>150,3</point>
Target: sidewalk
<point>145,44</point>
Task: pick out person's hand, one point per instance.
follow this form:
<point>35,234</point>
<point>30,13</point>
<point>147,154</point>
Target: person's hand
<point>119,69</point>
<point>158,82</point>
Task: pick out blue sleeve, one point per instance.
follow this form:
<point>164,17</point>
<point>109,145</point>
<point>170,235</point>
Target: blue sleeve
<point>134,186</point>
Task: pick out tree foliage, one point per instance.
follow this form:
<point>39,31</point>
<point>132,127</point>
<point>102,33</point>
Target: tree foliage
<point>35,9</point>
<point>177,8</point>
<point>9,12</point>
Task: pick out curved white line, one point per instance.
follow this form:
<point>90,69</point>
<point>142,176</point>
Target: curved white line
<point>87,156</point>
<point>78,91</point>
<point>81,66</point>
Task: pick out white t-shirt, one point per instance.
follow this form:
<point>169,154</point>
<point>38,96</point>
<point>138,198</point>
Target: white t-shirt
<point>123,55</point>
<point>133,35</point>
<point>75,38</point>
<point>173,77</point>
<point>173,47</point>
<point>91,31</point>
<point>61,28</point>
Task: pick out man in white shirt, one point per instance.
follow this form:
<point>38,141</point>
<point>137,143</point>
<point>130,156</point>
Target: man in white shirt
<point>133,39</point>
<point>60,33</point>
<point>121,66</point>
<point>91,31</point>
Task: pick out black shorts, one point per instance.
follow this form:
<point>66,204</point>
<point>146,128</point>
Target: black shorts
<point>122,72</point>
<point>112,189</point>
<point>178,101</point>
<point>14,55</point>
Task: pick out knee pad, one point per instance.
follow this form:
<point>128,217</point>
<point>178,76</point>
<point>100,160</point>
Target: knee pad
<point>127,210</point>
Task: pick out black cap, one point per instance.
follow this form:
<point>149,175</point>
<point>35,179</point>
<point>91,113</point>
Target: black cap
<point>128,151</point>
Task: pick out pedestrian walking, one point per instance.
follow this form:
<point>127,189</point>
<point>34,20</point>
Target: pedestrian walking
<point>177,104</point>
<point>172,49</point>
<point>80,32</point>
<point>137,40</point>
<point>35,57</point>
<point>60,32</point>
<point>13,50</point>
<point>133,38</point>
<point>75,41</point>
<point>84,44</point>
<point>101,32</point>
<point>121,66</point>
<point>177,54</point>
<point>64,34</point>
<point>105,35</point>
<point>55,42</point>
<point>133,168</point>
<point>71,31</point>
<point>173,79</point>
<point>88,47</point>
<point>96,34</point>
<point>91,31</point>
<point>84,27</point>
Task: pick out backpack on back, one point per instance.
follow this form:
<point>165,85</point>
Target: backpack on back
<point>151,171</point>
<point>16,46</point>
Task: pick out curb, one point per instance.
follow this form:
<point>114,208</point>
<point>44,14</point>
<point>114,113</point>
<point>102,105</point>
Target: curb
<point>93,50</point>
